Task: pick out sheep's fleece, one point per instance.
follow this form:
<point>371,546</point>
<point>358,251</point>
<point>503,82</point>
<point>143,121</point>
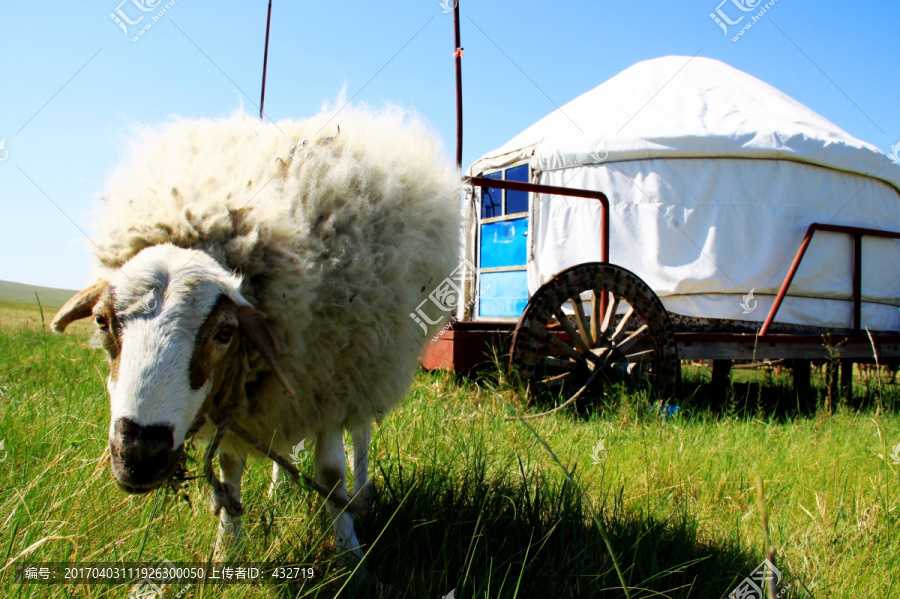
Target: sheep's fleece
<point>339,225</point>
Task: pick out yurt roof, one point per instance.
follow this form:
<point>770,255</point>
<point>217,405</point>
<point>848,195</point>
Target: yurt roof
<point>687,107</point>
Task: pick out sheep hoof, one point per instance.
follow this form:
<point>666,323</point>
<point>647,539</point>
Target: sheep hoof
<point>273,490</point>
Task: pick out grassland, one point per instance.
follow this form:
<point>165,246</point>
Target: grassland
<point>19,293</point>
<point>467,499</point>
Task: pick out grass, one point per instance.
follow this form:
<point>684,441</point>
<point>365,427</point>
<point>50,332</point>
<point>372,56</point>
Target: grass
<point>25,294</point>
<point>467,498</point>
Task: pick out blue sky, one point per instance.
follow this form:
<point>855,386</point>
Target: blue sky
<point>72,82</point>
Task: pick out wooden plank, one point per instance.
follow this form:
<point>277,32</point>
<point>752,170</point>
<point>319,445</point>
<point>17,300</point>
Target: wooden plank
<point>806,403</point>
<point>721,380</point>
<point>583,327</point>
<point>574,335</point>
<point>503,269</point>
<point>770,350</point>
<point>847,379</point>
<point>633,338</point>
<point>497,219</point>
<point>595,316</point>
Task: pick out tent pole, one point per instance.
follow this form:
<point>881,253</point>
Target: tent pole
<point>458,53</point>
<point>262,96</point>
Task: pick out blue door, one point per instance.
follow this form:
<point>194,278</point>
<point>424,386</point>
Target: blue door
<point>503,248</point>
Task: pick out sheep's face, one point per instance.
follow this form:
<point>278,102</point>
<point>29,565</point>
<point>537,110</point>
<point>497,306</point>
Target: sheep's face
<point>169,320</point>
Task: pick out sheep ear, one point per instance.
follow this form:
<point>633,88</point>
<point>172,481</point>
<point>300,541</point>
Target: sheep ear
<point>254,329</point>
<point>81,305</point>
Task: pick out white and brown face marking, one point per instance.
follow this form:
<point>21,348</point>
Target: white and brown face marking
<point>213,341</point>
<point>166,320</point>
<point>109,330</point>
<point>144,456</point>
<point>167,324</point>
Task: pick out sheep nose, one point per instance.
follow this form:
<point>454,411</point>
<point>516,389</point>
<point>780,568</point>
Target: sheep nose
<point>142,455</point>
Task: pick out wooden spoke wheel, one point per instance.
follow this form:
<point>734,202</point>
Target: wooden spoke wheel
<point>589,324</point>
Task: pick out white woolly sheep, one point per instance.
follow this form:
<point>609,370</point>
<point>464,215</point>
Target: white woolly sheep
<point>267,273</point>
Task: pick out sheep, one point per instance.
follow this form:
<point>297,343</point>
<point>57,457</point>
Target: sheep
<point>266,271</point>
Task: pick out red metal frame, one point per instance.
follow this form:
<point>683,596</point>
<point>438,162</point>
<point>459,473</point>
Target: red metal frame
<point>857,233</point>
<point>554,190</point>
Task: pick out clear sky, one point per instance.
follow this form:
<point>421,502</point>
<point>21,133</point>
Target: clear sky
<point>72,81</point>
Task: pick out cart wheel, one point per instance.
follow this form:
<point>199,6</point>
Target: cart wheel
<point>592,323</point>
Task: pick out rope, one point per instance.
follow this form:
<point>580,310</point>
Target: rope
<point>219,412</point>
<point>226,399</point>
<point>335,495</point>
<point>562,405</point>
<point>222,498</point>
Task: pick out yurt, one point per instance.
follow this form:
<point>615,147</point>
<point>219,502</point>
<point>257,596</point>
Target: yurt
<point>713,178</point>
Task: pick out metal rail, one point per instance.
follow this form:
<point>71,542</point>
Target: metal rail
<point>857,233</point>
<point>554,190</point>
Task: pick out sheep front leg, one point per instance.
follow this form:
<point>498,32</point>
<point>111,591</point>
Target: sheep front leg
<point>229,534</point>
<point>331,473</point>
<point>362,437</point>
<point>276,479</point>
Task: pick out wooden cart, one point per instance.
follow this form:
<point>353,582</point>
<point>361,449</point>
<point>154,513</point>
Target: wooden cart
<point>599,320</point>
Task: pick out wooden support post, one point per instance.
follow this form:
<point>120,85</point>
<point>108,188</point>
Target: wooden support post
<point>832,382</point>
<point>721,381</point>
<point>847,380</point>
<point>802,390</point>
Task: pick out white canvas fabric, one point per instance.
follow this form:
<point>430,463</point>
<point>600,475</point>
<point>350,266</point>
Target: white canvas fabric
<point>713,178</point>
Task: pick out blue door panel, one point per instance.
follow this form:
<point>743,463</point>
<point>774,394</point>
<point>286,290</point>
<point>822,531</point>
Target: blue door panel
<point>517,201</point>
<point>503,294</point>
<point>504,243</point>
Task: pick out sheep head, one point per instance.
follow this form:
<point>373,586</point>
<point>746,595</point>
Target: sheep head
<point>170,320</point>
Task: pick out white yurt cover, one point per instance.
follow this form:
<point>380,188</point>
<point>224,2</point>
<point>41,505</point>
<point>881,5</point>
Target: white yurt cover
<point>713,178</point>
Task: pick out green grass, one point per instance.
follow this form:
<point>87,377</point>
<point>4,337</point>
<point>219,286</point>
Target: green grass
<point>467,498</point>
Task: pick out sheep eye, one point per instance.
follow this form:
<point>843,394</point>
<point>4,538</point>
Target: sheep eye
<point>225,334</point>
<point>102,322</point>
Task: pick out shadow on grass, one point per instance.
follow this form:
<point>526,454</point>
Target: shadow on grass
<point>749,394</point>
<point>772,396</point>
<point>431,531</point>
<point>775,397</point>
